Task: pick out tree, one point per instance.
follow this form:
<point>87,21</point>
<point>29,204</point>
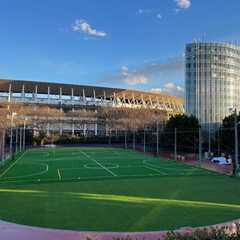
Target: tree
<point>226,136</point>
<point>187,129</point>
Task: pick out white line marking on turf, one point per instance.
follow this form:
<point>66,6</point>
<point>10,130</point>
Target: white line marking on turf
<point>153,169</point>
<point>99,164</point>
<point>59,175</point>
<point>12,165</point>
<point>153,166</point>
<point>30,175</point>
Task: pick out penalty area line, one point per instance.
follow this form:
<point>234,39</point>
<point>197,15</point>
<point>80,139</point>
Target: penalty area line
<point>99,164</point>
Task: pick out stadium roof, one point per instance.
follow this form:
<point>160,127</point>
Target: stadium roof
<point>43,87</point>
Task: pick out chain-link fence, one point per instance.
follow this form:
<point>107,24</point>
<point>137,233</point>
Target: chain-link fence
<point>13,141</point>
<point>192,146</point>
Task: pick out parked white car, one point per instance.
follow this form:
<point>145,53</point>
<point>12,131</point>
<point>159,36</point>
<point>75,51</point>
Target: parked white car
<point>221,160</point>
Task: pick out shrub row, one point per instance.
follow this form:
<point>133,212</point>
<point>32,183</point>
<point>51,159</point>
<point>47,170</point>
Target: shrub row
<point>223,233</point>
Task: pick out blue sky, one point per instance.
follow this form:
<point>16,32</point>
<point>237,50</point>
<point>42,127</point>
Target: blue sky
<point>128,43</point>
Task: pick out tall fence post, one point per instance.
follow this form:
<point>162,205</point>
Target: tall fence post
<point>3,145</point>
<point>16,141</point>
<point>11,141</point>
<point>144,140</point>
<point>236,140</point>
<point>125,138</point>
<point>157,138</point>
<point>109,137</point>
<point>200,146</point>
<point>24,136</point>
<point>20,143</point>
<point>134,143</point>
<point>175,144</point>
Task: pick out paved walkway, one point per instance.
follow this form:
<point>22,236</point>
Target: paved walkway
<point>9,231</point>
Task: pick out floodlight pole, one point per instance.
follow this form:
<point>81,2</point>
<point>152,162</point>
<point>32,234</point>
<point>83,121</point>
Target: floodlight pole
<point>175,144</point>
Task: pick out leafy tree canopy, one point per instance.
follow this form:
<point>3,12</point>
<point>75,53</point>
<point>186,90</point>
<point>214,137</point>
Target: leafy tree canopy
<point>182,122</point>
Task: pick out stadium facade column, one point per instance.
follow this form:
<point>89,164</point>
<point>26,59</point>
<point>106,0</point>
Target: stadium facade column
<point>150,99</point>
<point>104,96</point>
<point>23,92</point>
<point>94,95</point>
<point>48,128</point>
<point>84,129</point>
<point>49,91</point>
<point>9,92</point>
<point>133,98</point>
<point>73,129</point>
<point>36,92</point>
<point>96,129</point>
<point>84,96</point>
<point>114,98</point>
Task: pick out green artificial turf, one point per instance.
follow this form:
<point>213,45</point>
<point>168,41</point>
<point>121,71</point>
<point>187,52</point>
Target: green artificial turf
<point>105,189</point>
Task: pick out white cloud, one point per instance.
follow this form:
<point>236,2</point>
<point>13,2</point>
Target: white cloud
<point>170,88</point>
<point>83,26</point>
<point>174,89</point>
<point>183,4</point>
<point>132,78</point>
<point>159,16</point>
<point>150,70</point>
<point>156,90</point>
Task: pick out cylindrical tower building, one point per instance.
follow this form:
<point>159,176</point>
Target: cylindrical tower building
<point>212,80</point>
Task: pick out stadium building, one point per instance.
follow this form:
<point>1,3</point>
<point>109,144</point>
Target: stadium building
<point>212,81</point>
<point>70,98</point>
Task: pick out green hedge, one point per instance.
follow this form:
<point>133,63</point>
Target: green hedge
<point>224,233</point>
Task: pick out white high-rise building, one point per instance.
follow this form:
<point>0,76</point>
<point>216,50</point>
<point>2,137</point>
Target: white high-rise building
<point>212,80</point>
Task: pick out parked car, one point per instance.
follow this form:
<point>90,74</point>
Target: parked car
<point>221,160</point>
